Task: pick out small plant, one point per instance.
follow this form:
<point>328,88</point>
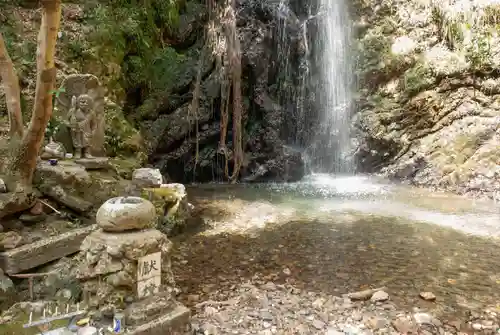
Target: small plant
<point>417,79</point>
<point>52,127</point>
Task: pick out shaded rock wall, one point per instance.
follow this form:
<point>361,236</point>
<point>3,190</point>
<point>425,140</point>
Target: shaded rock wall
<point>429,108</point>
<point>271,40</point>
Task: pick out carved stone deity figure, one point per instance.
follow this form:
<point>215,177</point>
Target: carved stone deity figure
<point>82,124</point>
<point>81,104</point>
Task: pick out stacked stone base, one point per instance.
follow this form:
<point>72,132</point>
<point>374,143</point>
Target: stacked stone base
<point>157,315</point>
<point>108,270</point>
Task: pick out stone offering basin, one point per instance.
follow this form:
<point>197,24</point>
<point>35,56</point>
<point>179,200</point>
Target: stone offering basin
<point>126,213</point>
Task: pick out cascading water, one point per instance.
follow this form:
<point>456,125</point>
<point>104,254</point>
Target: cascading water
<point>329,151</point>
<point>315,84</point>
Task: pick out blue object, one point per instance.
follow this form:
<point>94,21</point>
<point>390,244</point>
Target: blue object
<point>53,162</point>
<point>117,325</point>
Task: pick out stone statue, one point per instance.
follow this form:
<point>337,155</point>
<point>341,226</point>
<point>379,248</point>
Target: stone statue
<point>82,124</point>
<point>81,104</point>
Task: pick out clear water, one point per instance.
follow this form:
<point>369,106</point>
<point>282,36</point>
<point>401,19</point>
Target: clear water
<point>340,234</point>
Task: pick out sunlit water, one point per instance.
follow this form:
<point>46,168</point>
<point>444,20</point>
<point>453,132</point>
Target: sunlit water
<point>346,233</point>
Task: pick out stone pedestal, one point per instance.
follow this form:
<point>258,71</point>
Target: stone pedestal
<point>157,315</point>
<point>109,266</point>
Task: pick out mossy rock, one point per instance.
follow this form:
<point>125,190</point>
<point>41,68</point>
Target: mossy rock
<point>172,209</point>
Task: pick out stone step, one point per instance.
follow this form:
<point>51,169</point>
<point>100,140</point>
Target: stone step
<point>34,254</point>
<point>175,322</point>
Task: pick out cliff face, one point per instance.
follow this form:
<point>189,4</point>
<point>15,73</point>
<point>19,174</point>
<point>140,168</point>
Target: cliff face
<point>149,59</point>
<point>429,108</point>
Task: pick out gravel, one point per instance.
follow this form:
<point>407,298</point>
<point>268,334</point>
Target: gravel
<point>259,307</point>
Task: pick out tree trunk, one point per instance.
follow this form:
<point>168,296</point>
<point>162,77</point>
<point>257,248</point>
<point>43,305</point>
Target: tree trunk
<point>12,92</point>
<point>24,162</point>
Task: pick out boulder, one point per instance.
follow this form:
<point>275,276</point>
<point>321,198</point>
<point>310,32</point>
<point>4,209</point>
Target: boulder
<point>147,177</point>
<point>80,188</point>
<point>126,213</point>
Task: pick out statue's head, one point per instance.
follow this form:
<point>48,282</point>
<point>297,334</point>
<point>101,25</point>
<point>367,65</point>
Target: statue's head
<point>85,102</point>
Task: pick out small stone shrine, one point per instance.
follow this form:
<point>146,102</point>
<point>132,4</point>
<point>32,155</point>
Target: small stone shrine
<point>125,267</point>
<point>80,104</point>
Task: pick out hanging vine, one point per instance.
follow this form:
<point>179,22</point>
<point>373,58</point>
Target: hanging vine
<point>233,52</point>
<point>221,37</point>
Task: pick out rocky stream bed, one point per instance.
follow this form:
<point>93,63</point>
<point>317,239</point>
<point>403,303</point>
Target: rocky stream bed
<point>270,263</point>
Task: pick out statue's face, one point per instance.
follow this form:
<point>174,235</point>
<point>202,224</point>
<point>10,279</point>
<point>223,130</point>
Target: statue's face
<point>84,102</point>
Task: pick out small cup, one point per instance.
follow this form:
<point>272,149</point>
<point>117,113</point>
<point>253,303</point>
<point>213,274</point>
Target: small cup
<point>68,156</point>
<point>53,162</point>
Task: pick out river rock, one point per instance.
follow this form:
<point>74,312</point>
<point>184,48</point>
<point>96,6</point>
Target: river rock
<point>147,177</point>
<point>379,296</point>
<point>429,296</point>
<point>126,213</point>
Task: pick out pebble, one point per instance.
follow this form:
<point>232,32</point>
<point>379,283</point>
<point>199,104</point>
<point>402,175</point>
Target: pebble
<point>429,296</point>
<point>379,296</point>
<point>268,308</point>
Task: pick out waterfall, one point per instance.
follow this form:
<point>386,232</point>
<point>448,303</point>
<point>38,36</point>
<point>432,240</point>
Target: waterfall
<point>314,80</point>
<point>329,151</point>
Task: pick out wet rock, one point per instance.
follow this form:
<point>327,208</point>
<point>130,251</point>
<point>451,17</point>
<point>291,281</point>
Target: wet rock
<point>126,213</point>
<point>429,296</point>
<point>379,296</point>
<point>147,177</point>
<point>9,240</point>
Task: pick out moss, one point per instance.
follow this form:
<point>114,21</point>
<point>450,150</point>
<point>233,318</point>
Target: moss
<point>122,139</point>
<point>376,63</point>
<point>417,79</point>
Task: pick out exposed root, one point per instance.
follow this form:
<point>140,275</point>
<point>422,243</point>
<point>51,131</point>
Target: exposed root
<point>222,38</point>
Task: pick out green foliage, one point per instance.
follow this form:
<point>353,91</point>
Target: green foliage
<point>132,34</point>
<point>376,62</point>
<point>417,79</point>
<point>478,53</point>
<point>53,126</point>
<point>450,31</point>
<point>120,136</point>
